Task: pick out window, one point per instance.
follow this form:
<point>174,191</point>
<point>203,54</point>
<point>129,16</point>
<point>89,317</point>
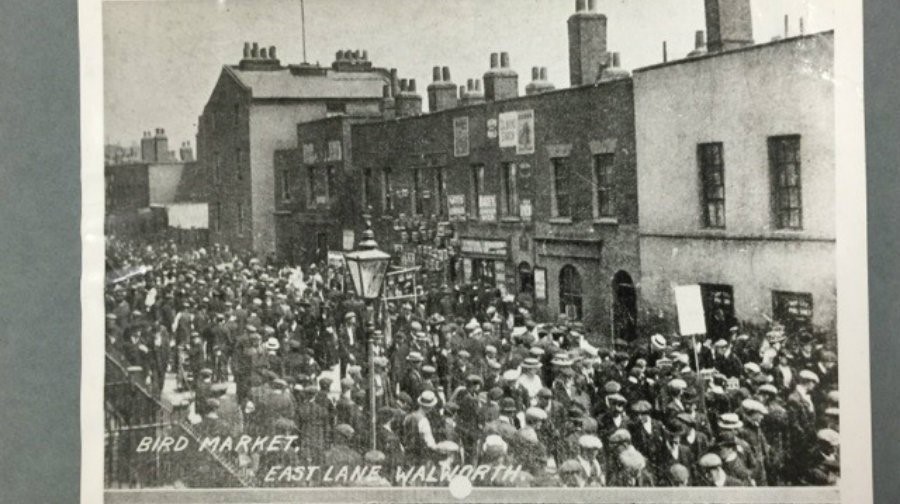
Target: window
<point>367,189</point>
<point>439,189</point>
<point>217,225</point>
<point>330,188</point>
<point>712,179</point>
<point>570,297</point>
<point>718,305</point>
<point>387,190</point>
<point>285,185</point>
<point>418,202</point>
<point>510,190</point>
<point>560,190</point>
<point>793,309</point>
<point>238,163</point>
<point>312,189</point>
<point>240,218</point>
<point>604,186</point>
<point>787,204</point>
<point>217,167</point>
<point>476,189</point>
<point>526,279</point>
<point>334,109</point>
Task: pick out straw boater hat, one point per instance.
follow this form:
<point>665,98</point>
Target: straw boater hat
<point>428,399</point>
<point>530,363</point>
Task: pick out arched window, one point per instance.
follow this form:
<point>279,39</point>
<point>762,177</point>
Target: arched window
<point>526,278</point>
<point>570,292</point>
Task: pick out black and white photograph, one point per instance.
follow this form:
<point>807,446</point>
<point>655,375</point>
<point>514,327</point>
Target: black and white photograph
<point>422,251</point>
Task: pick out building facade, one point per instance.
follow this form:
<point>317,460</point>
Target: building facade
<point>253,111</point>
<point>736,180</point>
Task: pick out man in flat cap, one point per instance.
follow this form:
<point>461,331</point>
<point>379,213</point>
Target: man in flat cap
<point>801,425</point>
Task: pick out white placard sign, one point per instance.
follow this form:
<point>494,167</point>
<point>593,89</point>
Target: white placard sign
<point>507,126</point>
<point>691,318</point>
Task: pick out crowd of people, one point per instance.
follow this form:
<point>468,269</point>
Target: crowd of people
<point>467,376</point>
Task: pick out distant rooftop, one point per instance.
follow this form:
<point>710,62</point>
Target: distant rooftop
<point>287,84</point>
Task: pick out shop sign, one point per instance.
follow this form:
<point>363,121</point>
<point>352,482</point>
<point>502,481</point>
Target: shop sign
<point>495,248</point>
<point>525,209</point>
<point>492,128</point>
<point>507,129</point>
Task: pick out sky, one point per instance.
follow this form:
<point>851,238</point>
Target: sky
<point>163,57</point>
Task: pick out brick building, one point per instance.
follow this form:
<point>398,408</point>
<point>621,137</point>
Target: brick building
<point>157,179</point>
<point>540,191</point>
<point>735,153</point>
<point>253,110</point>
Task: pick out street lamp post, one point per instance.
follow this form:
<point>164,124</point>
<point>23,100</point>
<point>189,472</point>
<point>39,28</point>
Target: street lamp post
<point>367,266</point>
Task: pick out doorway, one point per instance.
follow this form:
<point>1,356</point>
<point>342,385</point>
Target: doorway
<point>624,306</point>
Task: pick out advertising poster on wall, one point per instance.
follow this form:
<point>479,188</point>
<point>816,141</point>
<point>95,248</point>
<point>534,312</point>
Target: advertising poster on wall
<point>540,284</point>
<point>487,207</point>
<point>507,126</point>
<point>525,132</point>
<point>456,206</point>
<point>460,136</point>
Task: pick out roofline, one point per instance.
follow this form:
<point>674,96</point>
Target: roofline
<point>753,47</point>
<point>452,110</point>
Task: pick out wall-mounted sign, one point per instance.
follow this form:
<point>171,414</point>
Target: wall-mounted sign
<point>540,284</point>
<point>492,128</point>
<point>309,153</point>
<point>334,150</point>
<point>524,170</point>
<point>456,206</point>
<point>487,207</point>
<point>507,129</point>
<point>460,136</point>
<point>525,132</point>
<point>467,269</point>
<point>496,248</point>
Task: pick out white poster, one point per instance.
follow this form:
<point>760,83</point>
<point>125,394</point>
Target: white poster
<point>309,153</point>
<point>456,206</point>
<point>525,132</point>
<point>349,238</point>
<point>689,302</point>
<point>507,127</point>
<point>487,207</point>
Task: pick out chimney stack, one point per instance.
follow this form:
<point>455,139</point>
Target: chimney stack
<point>186,153</point>
<point>614,70</point>
<point>272,52</point>
<point>699,44</point>
<point>473,94</point>
<point>408,102</point>
<point>538,82</point>
<point>587,44</point>
<point>728,25</point>
<point>441,92</point>
<point>264,53</point>
<point>254,52</point>
<point>388,105</point>
<point>246,50</point>
<point>500,82</point>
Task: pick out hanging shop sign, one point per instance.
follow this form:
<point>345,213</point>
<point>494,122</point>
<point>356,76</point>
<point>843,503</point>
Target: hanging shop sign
<point>349,238</point>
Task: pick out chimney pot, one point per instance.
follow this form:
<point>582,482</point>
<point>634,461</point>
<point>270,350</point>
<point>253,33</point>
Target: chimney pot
<point>504,60</point>
<point>246,50</point>
<point>446,74</point>
<point>495,60</point>
<point>615,60</point>
<point>787,29</point>
<point>264,53</point>
<point>802,29</point>
<point>412,85</point>
<point>591,5</point>
<point>535,73</point>
<point>395,83</point>
<point>477,84</point>
<point>470,85</point>
<point>365,55</point>
<point>436,74</point>
<point>579,5</point>
<point>665,52</point>
<point>404,84</point>
<point>699,39</point>
<point>462,91</point>
<point>544,73</point>
<point>272,52</point>
<point>338,55</point>
<point>254,51</point>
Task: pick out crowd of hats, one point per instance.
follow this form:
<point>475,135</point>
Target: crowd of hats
<point>498,386</point>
